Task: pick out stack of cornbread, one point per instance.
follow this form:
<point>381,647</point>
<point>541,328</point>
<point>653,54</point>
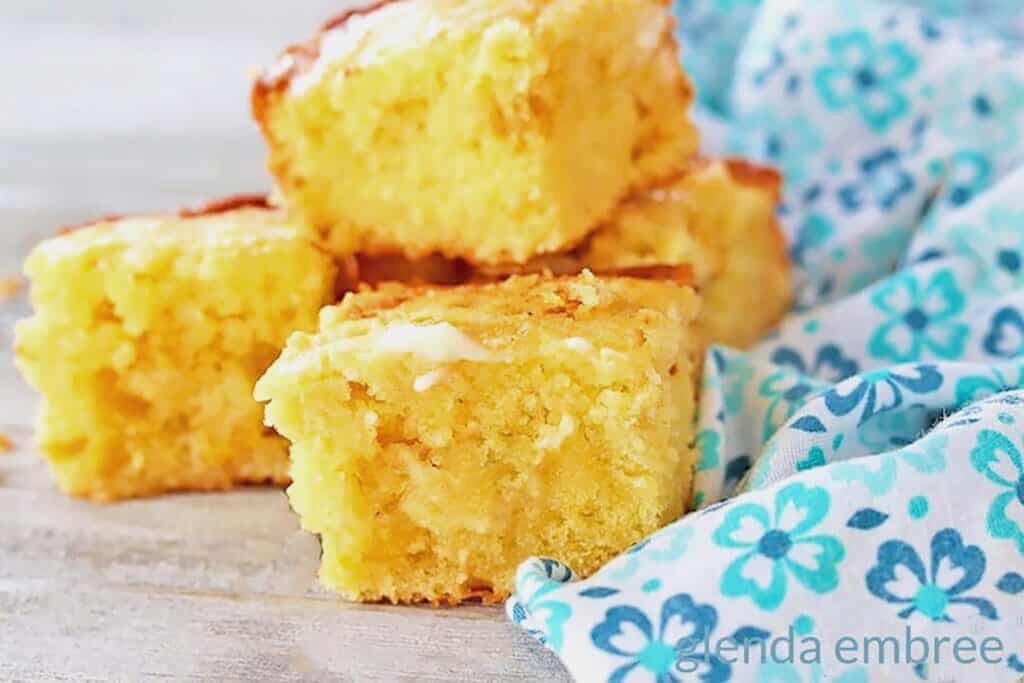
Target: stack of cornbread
<point>476,309</point>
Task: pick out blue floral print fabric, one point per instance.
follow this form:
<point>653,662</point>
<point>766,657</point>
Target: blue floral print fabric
<point>860,481</point>
<point>712,33</point>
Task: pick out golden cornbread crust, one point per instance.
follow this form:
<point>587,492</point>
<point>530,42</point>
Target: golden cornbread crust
<point>149,334</point>
<point>299,58</point>
<point>441,436</point>
<point>561,108</point>
<point>209,208</point>
<point>227,204</point>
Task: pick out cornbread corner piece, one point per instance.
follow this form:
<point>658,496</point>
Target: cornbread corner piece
<point>491,130</point>
<point>440,437</point>
<point>148,336</point>
<point>719,219</point>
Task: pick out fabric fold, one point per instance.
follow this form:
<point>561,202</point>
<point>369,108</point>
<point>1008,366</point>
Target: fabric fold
<point>861,480</point>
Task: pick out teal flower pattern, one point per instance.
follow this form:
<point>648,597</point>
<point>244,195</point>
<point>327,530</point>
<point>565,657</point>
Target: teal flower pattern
<point>738,371</point>
<point>999,460</point>
<point>815,231</point>
<point>878,474</point>
<point>664,547</point>
<point>923,318</point>
<point>902,138</point>
<point>536,608</point>
<point>708,443</point>
<point>670,650</point>
<point>829,363</point>
<point>868,77</point>
<point>881,391</point>
<point>901,577</point>
<point>987,110</point>
<point>884,182</point>
<point>786,391</point>
<point>1005,335</point>
<point>778,544</point>
<point>894,428</point>
<point>786,144</point>
<point>972,388</point>
<point>997,249</point>
<point>970,172</point>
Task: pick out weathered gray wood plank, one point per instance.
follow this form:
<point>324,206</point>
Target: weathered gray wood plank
<point>64,629</point>
<point>219,587</point>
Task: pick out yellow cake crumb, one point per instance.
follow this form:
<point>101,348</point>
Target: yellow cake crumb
<point>440,437</point>
<point>479,129</point>
<point>6,444</point>
<point>148,336</point>
<point>10,287</point>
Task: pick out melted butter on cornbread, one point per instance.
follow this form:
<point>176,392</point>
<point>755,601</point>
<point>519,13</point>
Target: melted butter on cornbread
<point>440,343</point>
<point>428,380</point>
<point>579,344</point>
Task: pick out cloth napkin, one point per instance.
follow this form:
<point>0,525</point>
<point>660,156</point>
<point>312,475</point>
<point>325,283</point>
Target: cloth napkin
<point>861,480</point>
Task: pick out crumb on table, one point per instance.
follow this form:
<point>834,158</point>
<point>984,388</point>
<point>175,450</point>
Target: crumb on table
<point>10,287</point>
<point>6,444</point>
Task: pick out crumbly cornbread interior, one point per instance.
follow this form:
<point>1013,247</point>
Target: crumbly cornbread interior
<point>148,336</point>
<point>483,129</point>
<point>441,437</point>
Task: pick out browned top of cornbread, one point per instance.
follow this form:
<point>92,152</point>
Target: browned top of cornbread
<point>744,171</point>
<point>299,58</point>
<point>526,295</point>
<point>105,218</point>
<point>225,204</point>
<point>209,208</point>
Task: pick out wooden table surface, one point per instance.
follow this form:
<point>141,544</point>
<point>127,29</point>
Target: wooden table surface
<point>119,106</point>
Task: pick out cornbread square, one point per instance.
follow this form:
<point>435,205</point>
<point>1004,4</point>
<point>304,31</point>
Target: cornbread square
<point>491,130</point>
<point>148,336</point>
<point>719,219</point>
<point>440,437</point>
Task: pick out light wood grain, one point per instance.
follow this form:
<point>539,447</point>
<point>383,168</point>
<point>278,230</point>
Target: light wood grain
<point>217,587</point>
<point>125,106</point>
